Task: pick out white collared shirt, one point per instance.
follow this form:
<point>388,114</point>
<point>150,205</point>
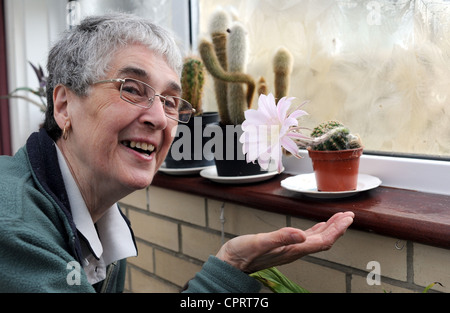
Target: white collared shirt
<point>107,241</point>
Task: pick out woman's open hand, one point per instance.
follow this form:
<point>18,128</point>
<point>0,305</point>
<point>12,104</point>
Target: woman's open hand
<point>251,253</point>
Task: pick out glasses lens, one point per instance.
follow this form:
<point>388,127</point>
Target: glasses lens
<point>178,109</point>
<point>142,95</point>
<point>137,92</point>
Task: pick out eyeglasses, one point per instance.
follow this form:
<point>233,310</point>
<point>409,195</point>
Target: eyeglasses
<point>142,95</point>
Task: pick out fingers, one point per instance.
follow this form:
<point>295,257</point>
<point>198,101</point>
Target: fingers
<point>320,227</point>
<point>283,237</point>
<point>333,228</point>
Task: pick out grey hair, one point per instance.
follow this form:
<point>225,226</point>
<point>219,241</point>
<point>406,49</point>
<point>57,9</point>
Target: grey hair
<point>84,53</point>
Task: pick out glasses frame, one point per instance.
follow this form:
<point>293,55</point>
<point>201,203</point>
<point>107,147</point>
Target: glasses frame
<point>150,100</point>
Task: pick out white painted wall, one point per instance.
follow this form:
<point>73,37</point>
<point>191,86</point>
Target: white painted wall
<point>31,26</point>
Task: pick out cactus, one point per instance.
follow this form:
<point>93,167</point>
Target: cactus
<point>282,67</point>
<point>192,82</point>
<point>225,60</point>
<point>209,58</point>
<point>218,28</point>
<point>262,88</point>
<point>237,61</point>
<point>333,135</point>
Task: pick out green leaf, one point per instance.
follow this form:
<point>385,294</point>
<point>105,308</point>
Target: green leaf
<point>431,286</point>
<point>277,282</point>
<point>24,89</point>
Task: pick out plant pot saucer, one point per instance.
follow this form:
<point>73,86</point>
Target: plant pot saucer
<point>211,174</point>
<point>183,171</point>
<point>306,185</point>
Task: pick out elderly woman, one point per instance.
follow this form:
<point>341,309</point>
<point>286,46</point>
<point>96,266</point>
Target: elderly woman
<point>113,102</point>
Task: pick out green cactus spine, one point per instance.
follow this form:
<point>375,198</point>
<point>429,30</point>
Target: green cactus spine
<point>192,82</point>
<point>282,67</point>
<point>332,135</point>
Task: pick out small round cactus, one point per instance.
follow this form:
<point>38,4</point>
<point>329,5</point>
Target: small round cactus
<point>333,135</point>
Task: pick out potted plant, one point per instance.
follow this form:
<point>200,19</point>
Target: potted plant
<point>225,59</point>
<point>187,150</point>
<point>335,154</point>
<point>275,126</point>
<point>40,91</point>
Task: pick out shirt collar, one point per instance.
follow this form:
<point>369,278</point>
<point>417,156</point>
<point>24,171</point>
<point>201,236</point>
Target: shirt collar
<point>116,241</point>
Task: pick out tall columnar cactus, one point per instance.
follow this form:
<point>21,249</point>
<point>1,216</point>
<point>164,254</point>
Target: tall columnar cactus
<point>192,82</point>
<point>282,67</point>
<point>227,67</point>
<point>209,58</point>
<point>333,135</point>
<point>218,29</point>
<point>225,59</point>
<point>237,62</point>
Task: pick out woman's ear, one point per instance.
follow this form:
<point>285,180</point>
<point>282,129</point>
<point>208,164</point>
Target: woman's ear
<point>60,105</point>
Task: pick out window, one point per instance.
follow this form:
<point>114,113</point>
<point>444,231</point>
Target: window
<point>172,14</point>
<point>380,67</point>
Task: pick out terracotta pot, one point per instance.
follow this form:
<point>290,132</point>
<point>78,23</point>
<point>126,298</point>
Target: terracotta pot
<point>336,170</point>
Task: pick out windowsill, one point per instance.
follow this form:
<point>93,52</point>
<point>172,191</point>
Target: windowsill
<point>404,214</point>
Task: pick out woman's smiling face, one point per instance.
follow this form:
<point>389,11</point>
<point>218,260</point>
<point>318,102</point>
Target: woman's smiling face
<point>105,128</point>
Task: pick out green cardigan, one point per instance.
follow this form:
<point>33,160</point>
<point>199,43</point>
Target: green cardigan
<point>39,245</point>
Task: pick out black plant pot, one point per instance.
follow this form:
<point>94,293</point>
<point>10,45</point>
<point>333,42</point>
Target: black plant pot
<point>187,149</point>
<point>231,160</point>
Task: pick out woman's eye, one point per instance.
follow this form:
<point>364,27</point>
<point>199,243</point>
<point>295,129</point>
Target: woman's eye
<point>171,103</point>
<point>132,90</point>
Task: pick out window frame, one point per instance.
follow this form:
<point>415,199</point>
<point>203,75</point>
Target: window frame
<point>5,130</point>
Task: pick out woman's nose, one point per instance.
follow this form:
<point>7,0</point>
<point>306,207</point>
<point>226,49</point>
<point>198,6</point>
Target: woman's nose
<point>155,115</point>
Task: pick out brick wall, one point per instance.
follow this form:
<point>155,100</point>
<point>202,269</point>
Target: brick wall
<point>176,232</point>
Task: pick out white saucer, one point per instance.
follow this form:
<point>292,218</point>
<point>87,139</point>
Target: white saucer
<point>306,184</point>
<point>211,174</point>
<point>183,171</point>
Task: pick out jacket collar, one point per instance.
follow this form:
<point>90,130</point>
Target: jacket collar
<point>111,237</point>
<point>43,159</point>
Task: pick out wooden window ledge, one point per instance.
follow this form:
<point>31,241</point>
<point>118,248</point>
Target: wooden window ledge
<point>403,214</point>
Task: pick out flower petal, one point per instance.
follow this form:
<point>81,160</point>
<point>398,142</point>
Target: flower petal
<point>298,113</point>
<point>283,106</point>
<point>290,145</point>
<point>269,128</point>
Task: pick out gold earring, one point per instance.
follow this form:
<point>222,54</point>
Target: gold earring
<point>65,133</point>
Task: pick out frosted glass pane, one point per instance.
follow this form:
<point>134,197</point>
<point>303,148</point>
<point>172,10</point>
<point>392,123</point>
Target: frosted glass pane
<point>159,11</point>
<point>380,67</point>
